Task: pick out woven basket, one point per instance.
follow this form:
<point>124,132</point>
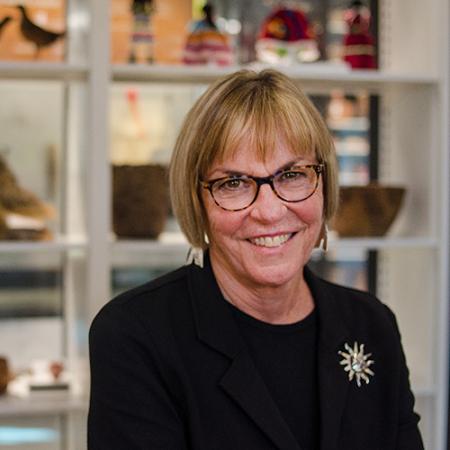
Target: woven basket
<point>367,210</point>
<point>140,201</point>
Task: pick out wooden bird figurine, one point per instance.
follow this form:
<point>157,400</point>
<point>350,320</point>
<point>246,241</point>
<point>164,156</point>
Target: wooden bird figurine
<point>23,204</point>
<point>34,33</point>
<point>15,199</point>
<point>3,22</point>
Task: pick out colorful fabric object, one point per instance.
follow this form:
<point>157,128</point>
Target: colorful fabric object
<point>206,44</point>
<point>359,45</point>
<point>286,25</point>
<point>286,36</point>
<point>142,30</point>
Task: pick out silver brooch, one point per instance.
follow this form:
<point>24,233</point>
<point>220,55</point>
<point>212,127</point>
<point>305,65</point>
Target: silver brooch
<point>357,363</point>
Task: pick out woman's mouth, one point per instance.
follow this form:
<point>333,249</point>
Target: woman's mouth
<point>271,241</point>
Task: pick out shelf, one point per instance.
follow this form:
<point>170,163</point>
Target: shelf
<point>384,243</point>
<point>57,245</point>
<point>171,249</point>
<point>175,241</point>
<point>41,404</point>
<point>42,71</point>
<point>314,74</point>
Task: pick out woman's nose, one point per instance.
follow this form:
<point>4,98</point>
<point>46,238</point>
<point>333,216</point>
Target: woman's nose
<point>267,206</point>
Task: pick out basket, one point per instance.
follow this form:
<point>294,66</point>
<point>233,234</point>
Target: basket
<point>367,210</point>
<point>140,201</point>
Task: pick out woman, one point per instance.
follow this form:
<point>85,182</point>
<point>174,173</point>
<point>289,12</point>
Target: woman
<point>246,348</point>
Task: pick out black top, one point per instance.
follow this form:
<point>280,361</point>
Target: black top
<point>170,370</point>
<point>285,356</point>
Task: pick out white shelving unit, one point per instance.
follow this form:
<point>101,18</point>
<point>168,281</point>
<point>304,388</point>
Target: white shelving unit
<point>59,244</point>
<point>42,404</point>
<point>413,84</point>
<point>312,74</point>
<point>43,71</point>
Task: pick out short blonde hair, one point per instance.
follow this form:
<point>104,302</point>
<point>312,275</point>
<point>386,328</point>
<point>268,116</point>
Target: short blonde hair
<point>260,107</point>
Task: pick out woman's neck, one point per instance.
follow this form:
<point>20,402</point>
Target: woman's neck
<point>288,303</point>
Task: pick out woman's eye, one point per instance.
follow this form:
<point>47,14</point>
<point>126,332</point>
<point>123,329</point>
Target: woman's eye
<point>232,184</point>
<point>293,175</point>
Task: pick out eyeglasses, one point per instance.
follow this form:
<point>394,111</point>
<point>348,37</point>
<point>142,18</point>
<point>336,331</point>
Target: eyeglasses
<point>238,192</point>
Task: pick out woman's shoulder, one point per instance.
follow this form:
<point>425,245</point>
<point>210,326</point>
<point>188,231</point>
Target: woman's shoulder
<point>147,303</point>
<point>358,315</point>
<point>160,286</point>
<point>354,304</point>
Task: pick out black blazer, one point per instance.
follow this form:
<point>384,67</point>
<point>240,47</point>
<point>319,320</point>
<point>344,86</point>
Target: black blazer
<point>169,370</point>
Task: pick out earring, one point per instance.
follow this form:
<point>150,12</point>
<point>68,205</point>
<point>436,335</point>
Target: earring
<point>324,239</point>
<point>195,255</point>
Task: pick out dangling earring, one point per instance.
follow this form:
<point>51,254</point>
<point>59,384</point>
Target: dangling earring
<point>195,255</point>
<point>324,238</point>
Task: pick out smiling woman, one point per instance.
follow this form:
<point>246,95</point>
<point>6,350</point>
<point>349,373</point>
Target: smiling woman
<point>245,347</point>
<point>246,114</point>
<point>257,252</point>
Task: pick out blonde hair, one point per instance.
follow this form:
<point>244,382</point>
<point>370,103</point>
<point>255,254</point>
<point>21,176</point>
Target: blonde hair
<point>260,107</point>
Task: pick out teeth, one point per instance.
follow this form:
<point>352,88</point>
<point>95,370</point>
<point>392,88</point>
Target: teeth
<point>268,241</point>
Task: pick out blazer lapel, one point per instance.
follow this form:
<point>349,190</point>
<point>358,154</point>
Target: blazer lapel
<point>216,328</point>
<point>333,380</point>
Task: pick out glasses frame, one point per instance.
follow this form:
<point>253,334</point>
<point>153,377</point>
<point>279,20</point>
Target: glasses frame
<point>318,168</point>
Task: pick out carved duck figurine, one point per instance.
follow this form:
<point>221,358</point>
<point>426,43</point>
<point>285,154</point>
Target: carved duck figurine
<point>34,33</point>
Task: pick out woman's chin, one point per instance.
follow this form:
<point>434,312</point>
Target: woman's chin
<point>274,275</point>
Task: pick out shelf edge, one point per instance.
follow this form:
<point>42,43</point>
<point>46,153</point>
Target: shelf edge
<point>42,71</point>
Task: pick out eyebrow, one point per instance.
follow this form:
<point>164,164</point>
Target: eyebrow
<point>237,173</point>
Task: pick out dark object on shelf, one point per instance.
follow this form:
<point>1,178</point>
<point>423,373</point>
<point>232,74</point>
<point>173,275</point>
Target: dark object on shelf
<point>140,200</point>
<point>34,33</point>
<point>359,44</point>
<point>367,210</point>
<point>142,7</point>
<point>5,375</point>
<point>4,22</point>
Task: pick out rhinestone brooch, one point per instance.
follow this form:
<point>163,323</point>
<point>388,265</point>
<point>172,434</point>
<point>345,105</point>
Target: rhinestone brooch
<point>356,363</point>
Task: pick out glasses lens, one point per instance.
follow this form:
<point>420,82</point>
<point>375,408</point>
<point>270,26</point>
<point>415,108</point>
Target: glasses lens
<point>296,184</point>
<point>234,193</point>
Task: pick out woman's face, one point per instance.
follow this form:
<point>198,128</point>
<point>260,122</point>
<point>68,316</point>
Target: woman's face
<point>268,243</point>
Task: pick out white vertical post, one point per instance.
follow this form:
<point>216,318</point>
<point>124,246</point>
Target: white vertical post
<point>86,290</point>
<point>98,187</point>
<point>442,378</point>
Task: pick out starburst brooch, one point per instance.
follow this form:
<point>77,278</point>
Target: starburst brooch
<point>357,363</point>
